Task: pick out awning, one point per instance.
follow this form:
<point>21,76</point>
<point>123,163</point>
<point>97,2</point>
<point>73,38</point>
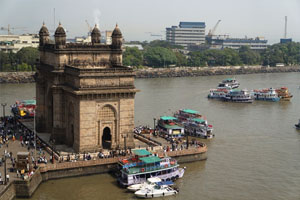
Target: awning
<point>141,152</point>
<point>168,118</point>
<point>190,111</point>
<point>150,159</point>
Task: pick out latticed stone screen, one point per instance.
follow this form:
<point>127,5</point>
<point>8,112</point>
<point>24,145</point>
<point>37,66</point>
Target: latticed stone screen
<point>107,113</point>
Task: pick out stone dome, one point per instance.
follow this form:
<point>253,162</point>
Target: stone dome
<point>96,30</point>
<point>60,30</point>
<point>44,30</point>
<point>117,32</point>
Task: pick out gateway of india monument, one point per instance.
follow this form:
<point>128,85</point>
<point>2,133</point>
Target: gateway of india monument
<point>85,96</point>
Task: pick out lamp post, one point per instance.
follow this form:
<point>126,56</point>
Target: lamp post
<point>154,119</point>
<point>52,142</point>
<point>5,181</point>
<point>125,136</point>
<point>187,141</point>
<point>35,161</point>
<point>3,105</point>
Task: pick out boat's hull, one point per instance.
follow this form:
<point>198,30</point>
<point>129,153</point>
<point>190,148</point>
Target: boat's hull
<point>286,98</point>
<point>268,99</point>
<point>152,194</point>
<point>164,177</point>
<point>238,100</point>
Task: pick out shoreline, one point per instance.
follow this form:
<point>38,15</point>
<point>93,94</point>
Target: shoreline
<point>28,77</point>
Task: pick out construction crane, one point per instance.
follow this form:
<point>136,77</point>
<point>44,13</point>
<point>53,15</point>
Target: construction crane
<point>285,27</point>
<point>89,27</point>
<point>212,31</point>
<point>8,29</point>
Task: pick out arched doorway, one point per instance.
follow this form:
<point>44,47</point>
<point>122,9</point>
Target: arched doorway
<point>106,138</point>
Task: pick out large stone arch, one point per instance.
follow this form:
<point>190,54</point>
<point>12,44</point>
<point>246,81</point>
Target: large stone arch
<point>107,119</point>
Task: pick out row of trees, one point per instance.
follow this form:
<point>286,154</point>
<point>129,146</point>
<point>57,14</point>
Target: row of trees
<point>23,60</point>
<point>163,54</point>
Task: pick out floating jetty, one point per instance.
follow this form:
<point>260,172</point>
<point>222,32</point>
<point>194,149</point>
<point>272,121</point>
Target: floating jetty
<point>25,188</point>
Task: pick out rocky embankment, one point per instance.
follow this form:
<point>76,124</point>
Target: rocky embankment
<point>211,71</point>
<point>17,77</point>
<point>28,77</point>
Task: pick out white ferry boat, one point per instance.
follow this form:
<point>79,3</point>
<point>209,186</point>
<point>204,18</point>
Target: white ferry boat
<point>240,96</point>
<point>217,93</point>
<point>144,165</point>
<point>266,95</point>
<point>224,86</point>
<point>231,82</point>
<point>194,123</point>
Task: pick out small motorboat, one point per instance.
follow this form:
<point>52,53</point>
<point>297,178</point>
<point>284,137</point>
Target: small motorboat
<point>298,125</point>
<point>157,191</point>
<point>150,183</point>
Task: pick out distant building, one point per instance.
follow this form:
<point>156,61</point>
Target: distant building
<point>13,43</point>
<point>139,46</point>
<point>186,33</point>
<point>285,40</point>
<point>108,37</point>
<point>222,42</point>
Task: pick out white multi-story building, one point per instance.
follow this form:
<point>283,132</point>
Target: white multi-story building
<point>222,42</point>
<point>187,33</point>
<point>13,43</point>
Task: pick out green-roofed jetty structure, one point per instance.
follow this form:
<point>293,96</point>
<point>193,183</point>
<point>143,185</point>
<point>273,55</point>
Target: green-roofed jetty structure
<point>143,165</point>
<point>194,123</point>
<point>168,127</point>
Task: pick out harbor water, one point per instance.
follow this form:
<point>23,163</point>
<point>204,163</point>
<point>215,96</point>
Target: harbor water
<point>255,154</point>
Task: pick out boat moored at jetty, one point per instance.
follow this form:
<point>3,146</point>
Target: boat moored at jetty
<point>150,183</point>
<point>266,95</point>
<point>167,126</point>
<point>157,191</point>
<point>284,94</point>
<point>240,96</point>
<point>298,125</point>
<point>194,123</point>
<point>143,165</point>
<point>217,93</point>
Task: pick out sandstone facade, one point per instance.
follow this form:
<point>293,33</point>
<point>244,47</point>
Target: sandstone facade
<point>85,97</point>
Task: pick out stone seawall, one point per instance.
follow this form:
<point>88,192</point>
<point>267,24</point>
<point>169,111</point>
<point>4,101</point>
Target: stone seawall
<point>8,192</point>
<point>28,77</point>
<point>17,77</point>
<point>26,188</point>
<point>211,71</point>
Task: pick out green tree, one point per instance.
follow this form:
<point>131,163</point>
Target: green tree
<point>28,55</point>
<point>4,60</point>
<point>132,57</point>
<point>159,57</point>
<point>197,59</point>
<point>181,59</point>
<point>164,44</point>
<point>248,56</point>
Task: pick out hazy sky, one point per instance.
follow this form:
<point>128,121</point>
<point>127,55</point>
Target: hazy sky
<point>136,18</point>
